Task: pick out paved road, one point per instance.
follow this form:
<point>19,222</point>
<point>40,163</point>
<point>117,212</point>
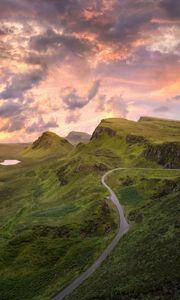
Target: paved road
<point>123,228</point>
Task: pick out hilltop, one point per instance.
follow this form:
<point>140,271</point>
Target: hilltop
<point>76,137</point>
<point>154,129</point>
<point>57,217</point>
<point>120,142</point>
<point>48,143</point>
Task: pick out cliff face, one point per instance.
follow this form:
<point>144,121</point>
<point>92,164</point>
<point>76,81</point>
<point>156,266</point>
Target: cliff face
<point>135,139</point>
<point>166,154</point>
<point>99,131</point>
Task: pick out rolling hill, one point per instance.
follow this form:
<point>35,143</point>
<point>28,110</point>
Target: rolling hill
<point>55,220</point>
<point>48,143</point>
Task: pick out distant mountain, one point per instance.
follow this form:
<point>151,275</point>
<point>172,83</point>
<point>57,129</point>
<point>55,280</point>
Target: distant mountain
<point>47,144</point>
<point>76,137</point>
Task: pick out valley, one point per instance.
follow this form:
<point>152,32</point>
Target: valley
<point>56,218</point>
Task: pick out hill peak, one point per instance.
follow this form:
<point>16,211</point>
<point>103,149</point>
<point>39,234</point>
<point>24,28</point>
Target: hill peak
<point>47,139</point>
<point>49,143</point>
<point>76,137</point>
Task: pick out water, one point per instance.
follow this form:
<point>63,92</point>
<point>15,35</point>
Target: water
<point>10,162</point>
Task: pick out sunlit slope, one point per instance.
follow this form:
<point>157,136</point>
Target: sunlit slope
<point>153,129</point>
<point>52,227</point>
<point>145,264</point>
<point>120,142</point>
<point>48,143</point>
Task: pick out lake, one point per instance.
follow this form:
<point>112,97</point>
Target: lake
<point>9,162</point>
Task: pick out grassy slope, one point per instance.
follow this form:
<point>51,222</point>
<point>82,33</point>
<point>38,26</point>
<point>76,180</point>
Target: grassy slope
<point>11,151</point>
<point>48,144</point>
<point>46,226</point>
<point>145,263</point>
<point>113,150</point>
<point>55,219</point>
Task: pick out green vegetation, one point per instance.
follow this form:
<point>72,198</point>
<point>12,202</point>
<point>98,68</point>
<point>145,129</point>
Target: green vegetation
<point>144,265</point>
<point>48,144</point>
<point>11,151</point>
<point>49,231</point>
<point>55,218</point>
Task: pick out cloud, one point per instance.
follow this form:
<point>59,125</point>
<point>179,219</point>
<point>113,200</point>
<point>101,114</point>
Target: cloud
<point>14,124</point>
<point>131,45</point>
<point>10,109</point>
<point>176,98</point>
<point>72,100</point>
<point>40,125</point>
<point>73,117</point>
<point>162,109</point>
<point>172,8</point>
<point>4,30</point>
<point>117,106</point>
<point>21,83</point>
<point>52,40</point>
<point>94,90</point>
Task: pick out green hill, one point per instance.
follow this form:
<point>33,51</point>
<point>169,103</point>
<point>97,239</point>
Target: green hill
<point>120,142</point>
<point>55,218</point>
<point>76,137</point>
<point>48,143</point>
<point>145,264</point>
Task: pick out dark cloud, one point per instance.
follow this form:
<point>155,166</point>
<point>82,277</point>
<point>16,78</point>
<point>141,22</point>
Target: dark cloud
<point>21,83</point>
<point>94,90</point>
<point>50,39</point>
<point>14,124</point>
<point>10,109</point>
<point>172,8</point>
<point>40,125</point>
<point>162,108</point>
<point>72,100</point>
<point>126,28</point>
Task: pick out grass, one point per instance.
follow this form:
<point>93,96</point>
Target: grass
<point>47,230</point>
<point>55,219</point>
<point>144,265</point>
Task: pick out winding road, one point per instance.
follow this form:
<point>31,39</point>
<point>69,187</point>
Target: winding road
<point>123,228</point>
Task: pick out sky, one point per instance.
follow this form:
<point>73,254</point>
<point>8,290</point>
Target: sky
<point>67,64</point>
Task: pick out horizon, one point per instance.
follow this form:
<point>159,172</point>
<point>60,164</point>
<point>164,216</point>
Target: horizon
<point>51,131</point>
<point>67,65</point>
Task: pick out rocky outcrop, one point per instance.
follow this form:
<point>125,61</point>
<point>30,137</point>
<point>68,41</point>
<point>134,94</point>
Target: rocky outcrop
<point>166,154</point>
<point>99,131</point>
<point>100,167</point>
<point>135,139</point>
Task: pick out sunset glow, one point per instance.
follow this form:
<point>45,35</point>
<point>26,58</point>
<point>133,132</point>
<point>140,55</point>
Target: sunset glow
<point>67,64</point>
